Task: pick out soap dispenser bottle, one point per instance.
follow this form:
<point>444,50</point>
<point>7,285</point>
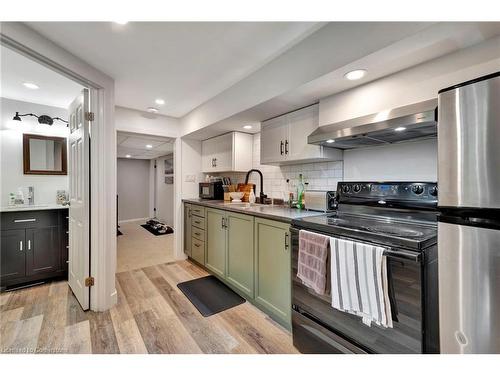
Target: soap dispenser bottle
<point>251,197</point>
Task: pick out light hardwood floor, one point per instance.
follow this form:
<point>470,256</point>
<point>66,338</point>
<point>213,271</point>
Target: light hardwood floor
<point>152,316</point>
<point>138,248</point>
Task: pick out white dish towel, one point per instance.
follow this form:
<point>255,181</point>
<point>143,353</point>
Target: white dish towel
<point>359,281</point>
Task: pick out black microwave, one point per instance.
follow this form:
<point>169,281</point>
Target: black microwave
<point>211,190</point>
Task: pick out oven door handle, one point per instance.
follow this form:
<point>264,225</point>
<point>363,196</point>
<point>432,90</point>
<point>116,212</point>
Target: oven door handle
<point>401,254</point>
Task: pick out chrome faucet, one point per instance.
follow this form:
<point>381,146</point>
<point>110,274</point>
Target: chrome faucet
<point>31,195</point>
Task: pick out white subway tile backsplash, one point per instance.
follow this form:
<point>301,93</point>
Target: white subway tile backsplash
<point>318,176</point>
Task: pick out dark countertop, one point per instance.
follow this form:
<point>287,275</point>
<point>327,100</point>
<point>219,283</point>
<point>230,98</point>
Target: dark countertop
<point>266,211</point>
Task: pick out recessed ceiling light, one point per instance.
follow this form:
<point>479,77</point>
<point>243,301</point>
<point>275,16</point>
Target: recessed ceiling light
<point>330,141</point>
<point>160,101</point>
<point>149,146</point>
<point>121,22</point>
<point>128,156</point>
<point>152,109</point>
<point>355,74</point>
<point>31,85</point>
<point>400,129</point>
<point>247,127</point>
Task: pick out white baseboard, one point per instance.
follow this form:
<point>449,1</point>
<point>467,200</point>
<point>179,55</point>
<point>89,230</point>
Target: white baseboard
<point>137,219</point>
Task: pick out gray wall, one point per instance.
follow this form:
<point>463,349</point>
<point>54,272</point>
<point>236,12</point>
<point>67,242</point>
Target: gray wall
<point>133,188</point>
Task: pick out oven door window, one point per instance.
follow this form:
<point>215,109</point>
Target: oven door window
<point>406,334</point>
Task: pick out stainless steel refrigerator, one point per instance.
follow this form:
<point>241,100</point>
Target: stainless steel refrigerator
<point>469,221</point>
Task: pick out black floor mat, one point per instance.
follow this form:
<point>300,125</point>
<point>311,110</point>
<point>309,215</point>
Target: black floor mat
<point>151,230</point>
<point>209,295</point>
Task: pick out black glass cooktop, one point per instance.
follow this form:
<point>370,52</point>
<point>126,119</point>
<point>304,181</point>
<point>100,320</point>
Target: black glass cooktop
<point>384,230</point>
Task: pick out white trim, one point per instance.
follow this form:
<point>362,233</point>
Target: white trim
<point>26,41</point>
<point>130,220</point>
<point>178,208</point>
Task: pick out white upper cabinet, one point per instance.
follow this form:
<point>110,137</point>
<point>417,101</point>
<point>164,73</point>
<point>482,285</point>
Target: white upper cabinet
<point>283,139</point>
<point>231,152</point>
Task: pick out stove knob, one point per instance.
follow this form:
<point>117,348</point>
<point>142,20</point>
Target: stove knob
<point>346,189</point>
<point>357,188</point>
<point>417,189</point>
<point>433,191</point>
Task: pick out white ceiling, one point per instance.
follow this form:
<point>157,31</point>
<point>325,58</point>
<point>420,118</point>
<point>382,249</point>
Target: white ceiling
<point>55,90</point>
<point>181,62</point>
<point>135,145</point>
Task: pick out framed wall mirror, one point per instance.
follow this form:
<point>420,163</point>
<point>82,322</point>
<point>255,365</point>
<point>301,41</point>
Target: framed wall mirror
<point>44,155</point>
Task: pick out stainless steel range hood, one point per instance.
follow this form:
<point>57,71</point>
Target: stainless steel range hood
<point>414,121</point>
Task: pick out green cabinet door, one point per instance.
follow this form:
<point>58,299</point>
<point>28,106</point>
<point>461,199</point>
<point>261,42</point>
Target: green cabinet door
<point>216,241</point>
<point>273,269</point>
<point>240,253</point>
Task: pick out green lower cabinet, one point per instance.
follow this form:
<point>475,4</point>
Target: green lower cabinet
<point>216,241</point>
<point>273,269</point>
<point>240,253</point>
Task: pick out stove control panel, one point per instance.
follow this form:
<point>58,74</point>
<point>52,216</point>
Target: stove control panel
<point>380,193</point>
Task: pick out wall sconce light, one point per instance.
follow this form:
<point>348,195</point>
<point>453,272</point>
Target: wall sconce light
<point>42,119</point>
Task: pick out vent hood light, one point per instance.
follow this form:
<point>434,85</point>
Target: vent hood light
<point>152,110</point>
<point>355,74</point>
<point>330,140</point>
<point>149,146</point>
<point>248,127</point>
<point>400,129</point>
<point>128,156</point>
<point>160,101</point>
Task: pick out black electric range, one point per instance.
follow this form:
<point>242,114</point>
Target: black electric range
<point>402,218</point>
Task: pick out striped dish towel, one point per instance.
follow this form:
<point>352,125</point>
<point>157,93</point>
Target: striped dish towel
<point>313,251</point>
<point>359,281</point>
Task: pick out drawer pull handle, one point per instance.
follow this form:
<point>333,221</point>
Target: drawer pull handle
<point>197,245</point>
<point>20,245</point>
<point>197,233</point>
<point>197,222</point>
<point>24,220</point>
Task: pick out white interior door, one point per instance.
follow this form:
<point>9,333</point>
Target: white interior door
<point>79,213</point>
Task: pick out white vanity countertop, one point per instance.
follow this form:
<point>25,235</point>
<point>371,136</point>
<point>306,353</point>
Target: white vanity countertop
<point>34,207</point>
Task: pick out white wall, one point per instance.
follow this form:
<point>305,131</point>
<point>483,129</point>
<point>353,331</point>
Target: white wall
<point>164,192</point>
<point>191,168</point>
<point>131,120</point>
<point>133,188</point>
<point>411,161</point>
<point>412,85</point>
<point>11,150</point>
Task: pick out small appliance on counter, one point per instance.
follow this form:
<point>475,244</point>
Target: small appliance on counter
<point>211,190</point>
<point>319,200</point>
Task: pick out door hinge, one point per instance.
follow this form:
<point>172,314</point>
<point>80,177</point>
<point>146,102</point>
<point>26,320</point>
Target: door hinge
<point>89,281</point>
<point>89,116</point>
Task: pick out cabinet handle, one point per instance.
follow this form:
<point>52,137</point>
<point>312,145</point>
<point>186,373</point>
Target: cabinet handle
<point>215,160</point>
<point>29,244</point>
<point>197,222</point>
<point>24,220</point>
<point>281,147</point>
<point>196,233</point>
<point>286,147</point>
<point>222,223</point>
<point>287,243</point>
<point>197,245</point>
<point>20,245</point>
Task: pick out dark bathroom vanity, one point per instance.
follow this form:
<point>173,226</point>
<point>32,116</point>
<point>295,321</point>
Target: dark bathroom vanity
<point>34,246</point>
